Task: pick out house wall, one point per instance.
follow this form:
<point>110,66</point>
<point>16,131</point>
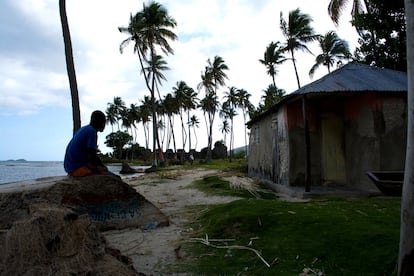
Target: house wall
<point>269,149</point>
<point>260,164</point>
<point>297,146</point>
<point>375,137</point>
<point>374,130</point>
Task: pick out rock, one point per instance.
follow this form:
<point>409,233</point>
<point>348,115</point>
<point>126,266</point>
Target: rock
<point>126,169</point>
<point>109,202</point>
<point>53,240</point>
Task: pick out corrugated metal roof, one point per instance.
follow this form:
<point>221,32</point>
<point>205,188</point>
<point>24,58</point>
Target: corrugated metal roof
<point>352,77</point>
<point>355,77</point>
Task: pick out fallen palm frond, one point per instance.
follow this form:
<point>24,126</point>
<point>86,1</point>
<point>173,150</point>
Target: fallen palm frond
<point>207,242</point>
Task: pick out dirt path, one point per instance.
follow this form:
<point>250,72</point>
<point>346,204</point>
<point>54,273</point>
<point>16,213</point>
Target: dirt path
<point>154,249</point>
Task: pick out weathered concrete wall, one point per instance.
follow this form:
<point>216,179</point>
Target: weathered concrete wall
<point>269,149</point>
<point>394,139</point>
<point>297,146</point>
<point>282,152</point>
<point>375,137</point>
<point>361,143</point>
<point>260,161</point>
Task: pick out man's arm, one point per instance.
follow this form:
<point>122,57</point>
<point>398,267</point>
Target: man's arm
<point>93,156</point>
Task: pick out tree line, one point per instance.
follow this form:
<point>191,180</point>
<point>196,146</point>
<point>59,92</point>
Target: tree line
<point>151,30</point>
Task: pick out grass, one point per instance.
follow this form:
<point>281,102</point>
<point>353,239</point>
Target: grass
<point>338,237</point>
<point>215,185</point>
<point>237,165</point>
<point>331,236</point>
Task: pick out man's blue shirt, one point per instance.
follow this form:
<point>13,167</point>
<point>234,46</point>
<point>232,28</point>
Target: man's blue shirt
<point>77,150</point>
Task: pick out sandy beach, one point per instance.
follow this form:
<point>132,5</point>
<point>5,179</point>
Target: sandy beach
<point>153,250</point>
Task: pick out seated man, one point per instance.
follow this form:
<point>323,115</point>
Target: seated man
<point>81,157</point>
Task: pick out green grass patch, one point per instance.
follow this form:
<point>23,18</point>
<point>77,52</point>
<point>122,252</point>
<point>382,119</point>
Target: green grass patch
<point>215,185</point>
<point>236,165</point>
<point>335,236</point>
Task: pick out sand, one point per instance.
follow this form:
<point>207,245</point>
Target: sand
<point>153,250</point>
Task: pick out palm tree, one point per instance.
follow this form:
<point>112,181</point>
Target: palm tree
<point>161,128</point>
<point>150,29</point>
<point>190,103</point>
<point>298,32</point>
<point>127,122</point>
<point>232,97</point>
<point>228,111</point>
<point>246,106</point>
<point>206,82</point>
<point>405,264</point>
<point>272,95</point>
<point>333,49</point>
<point>145,109</point>
<point>111,116</point>
<point>216,71</point>
<point>232,101</point>
<point>214,76</point>
<point>193,123</point>
<point>225,129</point>
<point>154,71</point>
<point>273,57</point>
<point>70,67</point>
<point>180,94</point>
<point>119,107</point>
<point>134,114</point>
<point>209,104</point>
<point>336,7</point>
<point>171,107</point>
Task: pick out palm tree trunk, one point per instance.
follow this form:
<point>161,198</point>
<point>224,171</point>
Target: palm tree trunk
<point>195,135</point>
<point>231,140</point>
<point>154,130</point>
<point>184,136</point>
<point>70,67</point>
<point>406,254</point>
<point>173,136</point>
<point>189,132</point>
<point>154,116</point>
<point>145,134</point>
<point>245,133</point>
<point>273,78</point>
<point>296,70</point>
<point>210,137</point>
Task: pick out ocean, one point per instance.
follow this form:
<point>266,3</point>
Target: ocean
<point>11,171</point>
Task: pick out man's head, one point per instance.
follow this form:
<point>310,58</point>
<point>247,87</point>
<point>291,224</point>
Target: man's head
<point>98,120</point>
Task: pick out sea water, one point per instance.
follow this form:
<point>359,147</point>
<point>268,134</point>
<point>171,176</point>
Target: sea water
<point>11,171</point>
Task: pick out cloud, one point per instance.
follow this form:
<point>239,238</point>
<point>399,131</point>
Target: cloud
<point>33,72</point>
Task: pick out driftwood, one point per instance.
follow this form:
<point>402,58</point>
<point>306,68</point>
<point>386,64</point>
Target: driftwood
<point>207,242</point>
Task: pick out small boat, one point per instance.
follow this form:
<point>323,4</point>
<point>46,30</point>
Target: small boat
<point>388,182</point>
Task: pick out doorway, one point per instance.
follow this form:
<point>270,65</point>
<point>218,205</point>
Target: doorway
<point>333,153</point>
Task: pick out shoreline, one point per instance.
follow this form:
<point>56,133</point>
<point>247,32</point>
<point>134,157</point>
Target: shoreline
<point>12,171</point>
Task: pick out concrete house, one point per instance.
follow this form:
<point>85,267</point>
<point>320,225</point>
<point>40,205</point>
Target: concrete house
<point>333,130</point>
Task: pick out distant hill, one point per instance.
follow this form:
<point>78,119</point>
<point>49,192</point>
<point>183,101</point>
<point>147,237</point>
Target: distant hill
<point>242,148</point>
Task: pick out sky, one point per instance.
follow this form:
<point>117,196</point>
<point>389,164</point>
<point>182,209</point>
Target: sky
<point>35,104</point>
